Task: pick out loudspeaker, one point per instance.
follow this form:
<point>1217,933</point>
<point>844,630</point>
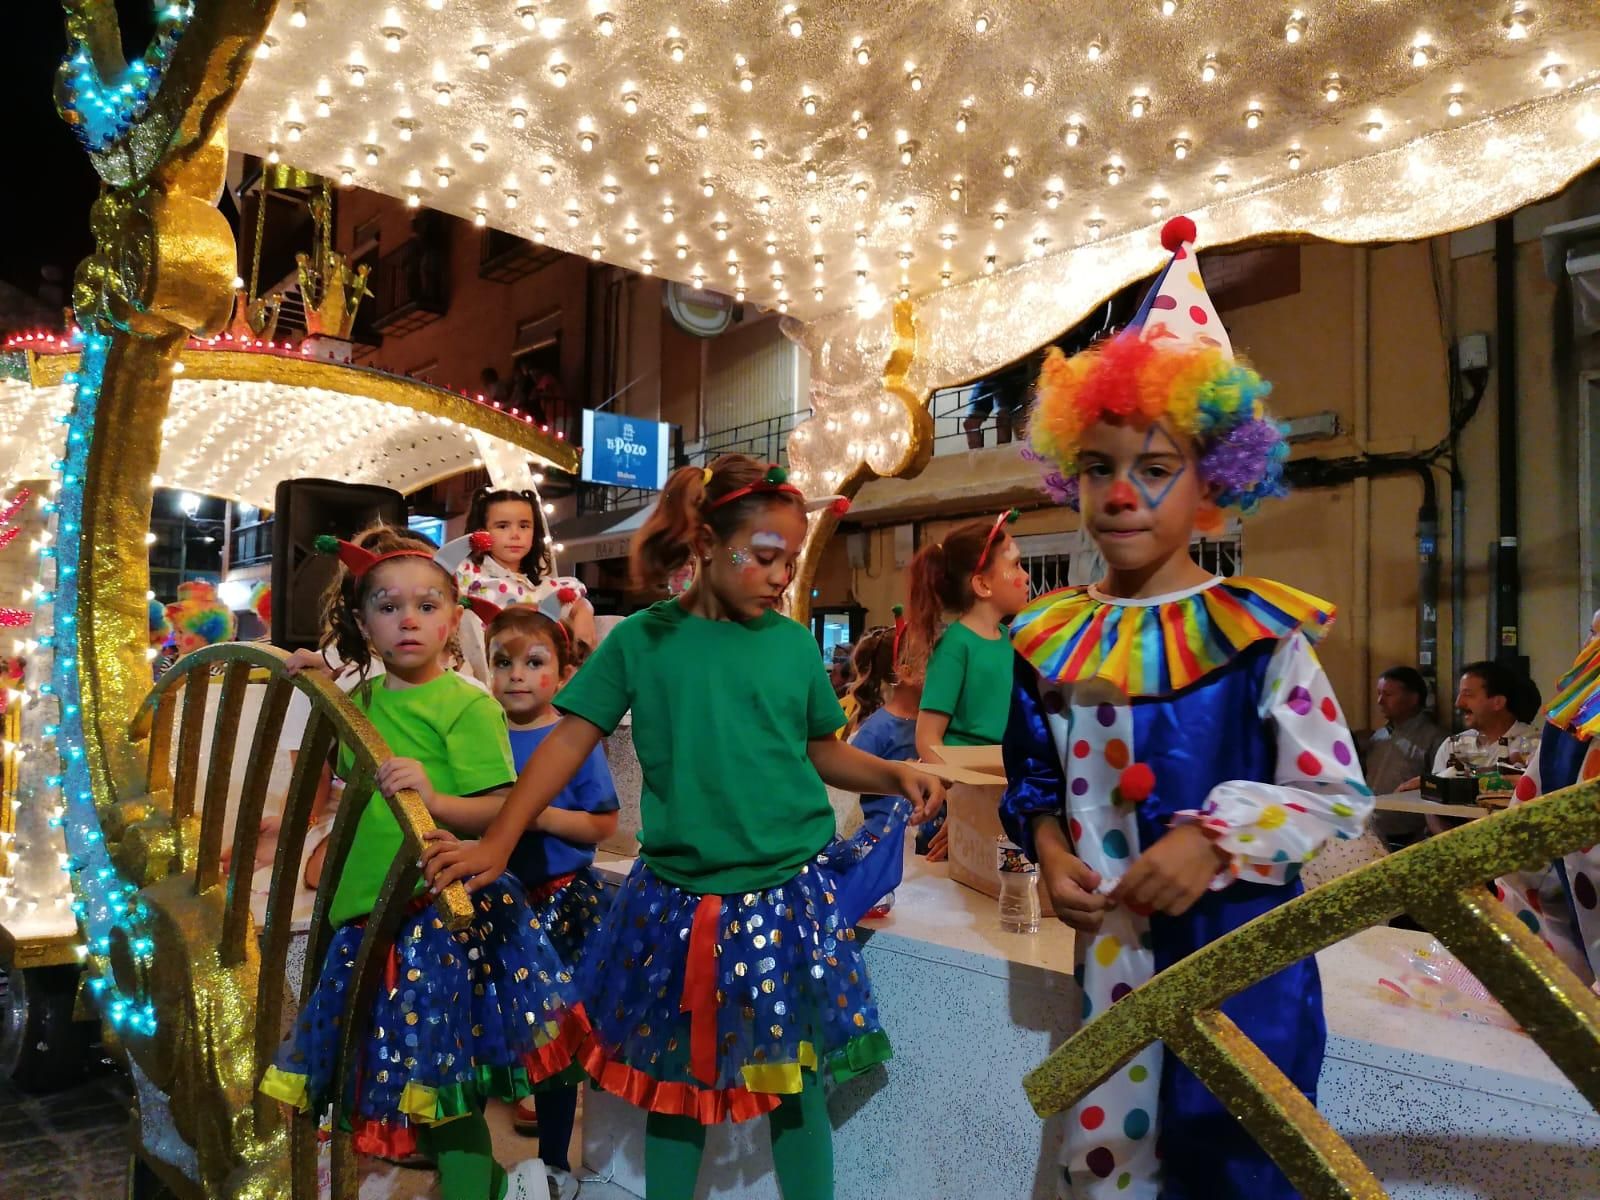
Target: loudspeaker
<point>303,510</point>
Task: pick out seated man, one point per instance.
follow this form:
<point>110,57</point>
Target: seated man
<point>1400,751</point>
<point>1484,700</point>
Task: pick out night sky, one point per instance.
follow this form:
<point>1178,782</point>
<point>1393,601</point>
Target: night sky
<point>49,183</point>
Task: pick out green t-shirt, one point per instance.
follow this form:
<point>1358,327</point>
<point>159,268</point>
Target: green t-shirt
<point>722,712</point>
<point>969,680</point>
<point>457,732</point>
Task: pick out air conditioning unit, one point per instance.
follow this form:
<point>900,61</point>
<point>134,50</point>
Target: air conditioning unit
<point>1572,248</point>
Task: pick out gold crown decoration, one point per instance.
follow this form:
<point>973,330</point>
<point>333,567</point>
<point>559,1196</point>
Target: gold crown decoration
<point>331,289</point>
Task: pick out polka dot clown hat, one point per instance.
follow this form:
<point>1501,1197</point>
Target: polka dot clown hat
<point>1172,364</point>
<point>1178,308</point>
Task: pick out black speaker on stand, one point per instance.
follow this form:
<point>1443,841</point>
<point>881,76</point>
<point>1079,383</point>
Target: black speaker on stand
<point>304,510</point>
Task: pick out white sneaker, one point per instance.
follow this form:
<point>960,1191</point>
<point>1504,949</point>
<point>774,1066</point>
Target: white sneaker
<point>526,1181</point>
<point>563,1185</point>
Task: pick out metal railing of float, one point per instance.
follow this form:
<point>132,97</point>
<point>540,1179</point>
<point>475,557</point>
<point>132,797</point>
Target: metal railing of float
<point>1440,884</point>
<point>217,926</point>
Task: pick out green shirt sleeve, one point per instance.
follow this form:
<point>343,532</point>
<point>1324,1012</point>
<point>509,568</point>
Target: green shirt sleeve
<point>947,670</point>
<point>479,749</point>
<point>599,692</point>
<point>824,717</point>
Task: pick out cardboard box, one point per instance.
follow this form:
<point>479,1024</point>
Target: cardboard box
<point>977,781</point>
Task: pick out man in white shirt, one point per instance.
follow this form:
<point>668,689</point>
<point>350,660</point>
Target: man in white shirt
<point>1484,701</point>
<point>1400,750</point>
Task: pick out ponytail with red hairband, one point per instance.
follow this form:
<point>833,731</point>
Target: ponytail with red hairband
<point>776,483</point>
<point>1009,517</point>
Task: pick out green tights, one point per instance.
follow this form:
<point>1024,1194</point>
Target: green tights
<point>802,1149</point>
<point>465,1154</point>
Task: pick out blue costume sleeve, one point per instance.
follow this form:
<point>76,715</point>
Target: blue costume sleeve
<point>1035,782</point>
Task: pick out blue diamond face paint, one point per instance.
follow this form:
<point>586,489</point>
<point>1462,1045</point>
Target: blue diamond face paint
<point>1157,442</point>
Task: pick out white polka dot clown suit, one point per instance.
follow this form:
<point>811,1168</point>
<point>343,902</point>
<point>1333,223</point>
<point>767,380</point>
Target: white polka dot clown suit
<point>1131,717</point>
<point>1561,902</point>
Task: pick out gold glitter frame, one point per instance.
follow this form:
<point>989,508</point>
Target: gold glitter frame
<point>1440,883</point>
<point>219,984</point>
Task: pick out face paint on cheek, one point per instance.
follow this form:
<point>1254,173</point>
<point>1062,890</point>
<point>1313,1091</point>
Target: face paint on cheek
<point>741,558</point>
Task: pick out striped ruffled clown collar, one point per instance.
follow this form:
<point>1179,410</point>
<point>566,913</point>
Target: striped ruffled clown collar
<point>1149,648</point>
<point>1576,705</point>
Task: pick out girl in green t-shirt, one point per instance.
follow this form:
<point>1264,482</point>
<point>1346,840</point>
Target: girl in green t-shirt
<point>976,573</point>
<point>726,978</point>
<point>486,1011</point>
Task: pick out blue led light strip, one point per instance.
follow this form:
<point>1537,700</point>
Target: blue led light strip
<point>107,108</point>
<point>103,899</point>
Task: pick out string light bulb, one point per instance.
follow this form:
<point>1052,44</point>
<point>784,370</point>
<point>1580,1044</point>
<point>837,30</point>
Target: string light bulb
<point>1332,88</point>
<point>605,24</point>
<point>1073,133</point>
<point>392,36</point>
<point>1516,22</point>
<point>792,21</point>
<point>982,22</point>
<point>560,72</point>
<point>479,150</point>
<point>1169,7</point>
<point>1421,54</point>
<point>358,73</point>
<point>1113,173</point>
<point>1180,148</point>
<point>1209,69</point>
<point>519,118</point>
<point>963,119</point>
<point>1253,117</point>
<point>297,14</point>
<point>808,103</point>
<point>708,186</point>
<point>265,47</point>
<point>1294,28</point>
<point>861,52</point>
<point>483,57</point>
<point>914,80</point>
<point>1094,50</point>
<point>1009,162</point>
<point>1455,104</point>
<point>1295,157</point>
<point>1138,105</point>
<point>1550,73</point>
<point>956,189</point>
<point>676,49</point>
<point>1030,85</point>
<point>528,14</point>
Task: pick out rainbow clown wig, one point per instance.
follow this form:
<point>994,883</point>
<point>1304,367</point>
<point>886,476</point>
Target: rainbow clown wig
<point>1172,362</point>
<point>199,617</point>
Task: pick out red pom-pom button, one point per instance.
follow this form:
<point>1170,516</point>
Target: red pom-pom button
<point>1136,783</point>
<point>566,595</point>
<point>480,542</point>
<point>1176,232</point>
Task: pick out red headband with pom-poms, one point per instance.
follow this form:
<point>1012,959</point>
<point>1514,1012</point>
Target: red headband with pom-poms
<point>1008,517</point>
<point>357,559</point>
<point>774,482</point>
<point>550,606</point>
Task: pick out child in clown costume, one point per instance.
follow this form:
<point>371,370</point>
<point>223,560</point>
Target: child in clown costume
<point>1175,752</point>
<point>1560,903</point>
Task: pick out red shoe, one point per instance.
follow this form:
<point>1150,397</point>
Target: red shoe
<point>525,1118</point>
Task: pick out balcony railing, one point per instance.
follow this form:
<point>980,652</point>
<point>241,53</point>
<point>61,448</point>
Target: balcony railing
<point>411,287</point>
<point>959,425</point>
<point>505,258</point>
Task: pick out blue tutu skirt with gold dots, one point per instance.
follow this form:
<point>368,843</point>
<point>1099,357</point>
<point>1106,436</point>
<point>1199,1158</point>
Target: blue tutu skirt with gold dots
<point>490,1010</point>
<point>570,909</point>
<point>711,1006</point>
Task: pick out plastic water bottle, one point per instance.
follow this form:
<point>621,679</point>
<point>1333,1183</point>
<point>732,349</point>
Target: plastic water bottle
<point>1019,888</point>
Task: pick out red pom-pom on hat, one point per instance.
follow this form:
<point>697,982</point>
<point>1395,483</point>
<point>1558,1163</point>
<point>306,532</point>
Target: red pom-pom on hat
<point>1136,783</point>
<point>1176,232</point>
<point>480,542</point>
<point>566,595</point>
<point>840,506</point>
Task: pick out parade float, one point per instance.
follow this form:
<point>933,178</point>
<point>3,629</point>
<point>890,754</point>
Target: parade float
<point>926,192</point>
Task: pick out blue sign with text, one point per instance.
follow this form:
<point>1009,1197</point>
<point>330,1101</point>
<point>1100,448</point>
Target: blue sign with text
<point>625,451</point>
